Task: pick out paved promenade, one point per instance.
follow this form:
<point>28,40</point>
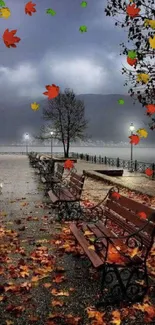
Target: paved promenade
<point>134,181</point>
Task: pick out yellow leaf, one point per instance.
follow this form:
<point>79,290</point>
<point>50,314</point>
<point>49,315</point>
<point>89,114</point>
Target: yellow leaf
<point>142,133</point>
<point>35,106</point>
<point>152,42</point>
<point>5,13</point>
<point>88,233</point>
<point>91,247</point>
<point>149,22</point>
<point>143,77</point>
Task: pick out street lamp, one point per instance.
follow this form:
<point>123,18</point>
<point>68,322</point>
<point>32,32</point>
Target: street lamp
<point>26,136</point>
<point>131,156</point>
<point>51,133</point>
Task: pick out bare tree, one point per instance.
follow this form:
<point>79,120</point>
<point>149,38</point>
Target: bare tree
<point>140,29</point>
<point>65,115</point>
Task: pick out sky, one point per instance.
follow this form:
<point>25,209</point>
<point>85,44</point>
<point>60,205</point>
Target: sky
<point>53,51</point>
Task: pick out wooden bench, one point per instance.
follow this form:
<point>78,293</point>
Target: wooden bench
<point>121,244</point>
<point>50,180</point>
<point>67,198</point>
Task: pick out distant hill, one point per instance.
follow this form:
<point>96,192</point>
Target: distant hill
<point>108,120</point>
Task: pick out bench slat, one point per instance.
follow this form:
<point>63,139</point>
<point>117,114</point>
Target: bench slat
<point>95,259</point>
<point>133,205</point>
<point>126,214</point>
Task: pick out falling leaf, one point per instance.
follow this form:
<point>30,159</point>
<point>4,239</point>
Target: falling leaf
<point>142,133</point>
<point>116,195</point>
<point>9,322</point>
<point>142,215</point>
<point>2,3</point>
<point>52,91</point>
<point>132,10</point>
<point>121,101</point>
<point>35,106</point>
<point>150,109</point>
<point>68,164</point>
<point>51,12</point>
<point>134,139</point>
<point>84,4</point>
<point>131,61</point>
<point>9,39</point>
<point>132,54</point>
<point>29,8</point>
<point>83,29</point>
<point>148,171</point>
<point>149,22</point>
<point>143,77</point>
<point>152,42</point>
<point>5,13</point>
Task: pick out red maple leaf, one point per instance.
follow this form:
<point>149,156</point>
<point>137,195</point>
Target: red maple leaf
<point>150,109</point>
<point>52,91</point>
<point>29,8</point>
<point>142,215</point>
<point>148,171</point>
<point>9,39</point>
<point>116,195</point>
<point>68,164</point>
<point>131,61</point>
<point>132,10</point>
<point>134,138</point>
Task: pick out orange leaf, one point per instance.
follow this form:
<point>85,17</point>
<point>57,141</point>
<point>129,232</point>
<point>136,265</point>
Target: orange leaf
<point>68,164</point>
<point>116,317</point>
<point>29,8</point>
<point>148,171</point>
<point>47,285</point>
<point>116,195</point>
<point>134,139</point>
<point>132,10</point>
<point>57,303</point>
<point>142,215</point>
<point>59,278</point>
<point>150,109</point>
<point>55,292</point>
<point>52,91</point>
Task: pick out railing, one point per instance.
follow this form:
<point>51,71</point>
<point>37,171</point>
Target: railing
<point>137,166</point>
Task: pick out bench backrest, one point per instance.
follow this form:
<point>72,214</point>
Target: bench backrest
<point>60,170</point>
<point>76,183</point>
<point>124,212</point>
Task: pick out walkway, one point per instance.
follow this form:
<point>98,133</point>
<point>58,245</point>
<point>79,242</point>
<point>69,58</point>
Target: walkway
<point>134,181</point>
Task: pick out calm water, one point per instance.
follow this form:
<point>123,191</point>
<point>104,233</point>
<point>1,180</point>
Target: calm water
<point>141,154</point>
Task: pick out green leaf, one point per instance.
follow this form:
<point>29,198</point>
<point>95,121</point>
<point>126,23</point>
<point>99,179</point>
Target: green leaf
<point>51,12</point>
<point>132,54</point>
<point>84,4</point>
<point>121,101</point>
<point>2,3</point>
<point>83,29</point>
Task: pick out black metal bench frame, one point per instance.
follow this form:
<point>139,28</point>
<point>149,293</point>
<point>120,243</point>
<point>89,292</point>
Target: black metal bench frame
<point>66,197</point>
<point>134,269</point>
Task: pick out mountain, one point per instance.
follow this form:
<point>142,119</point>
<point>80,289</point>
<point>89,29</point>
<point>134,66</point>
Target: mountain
<point>108,120</point>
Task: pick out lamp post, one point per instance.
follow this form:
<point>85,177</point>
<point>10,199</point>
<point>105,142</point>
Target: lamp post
<point>26,139</point>
<point>51,142</point>
<point>131,155</point>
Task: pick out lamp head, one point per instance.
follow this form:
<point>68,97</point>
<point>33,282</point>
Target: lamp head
<point>51,133</point>
<point>26,136</point>
<point>132,127</point>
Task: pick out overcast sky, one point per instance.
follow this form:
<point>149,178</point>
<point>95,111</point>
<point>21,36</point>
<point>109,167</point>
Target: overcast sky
<point>52,50</point>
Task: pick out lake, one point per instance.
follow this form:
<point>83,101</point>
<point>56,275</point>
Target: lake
<point>141,154</point>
